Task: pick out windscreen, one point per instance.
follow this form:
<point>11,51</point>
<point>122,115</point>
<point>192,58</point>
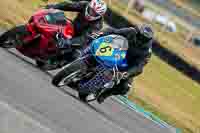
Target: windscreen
<point>57,18</point>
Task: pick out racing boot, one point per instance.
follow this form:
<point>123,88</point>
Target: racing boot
<point>105,94</point>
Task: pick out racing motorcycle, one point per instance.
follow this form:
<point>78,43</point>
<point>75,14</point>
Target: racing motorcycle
<point>102,65</point>
<point>38,39</point>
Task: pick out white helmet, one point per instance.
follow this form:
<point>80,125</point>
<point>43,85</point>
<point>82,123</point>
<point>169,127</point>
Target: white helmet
<point>95,10</point>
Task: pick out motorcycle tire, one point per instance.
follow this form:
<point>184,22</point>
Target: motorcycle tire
<point>12,37</point>
<point>70,69</point>
<point>39,64</point>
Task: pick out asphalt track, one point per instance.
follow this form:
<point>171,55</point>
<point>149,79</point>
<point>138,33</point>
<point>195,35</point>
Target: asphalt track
<point>28,89</point>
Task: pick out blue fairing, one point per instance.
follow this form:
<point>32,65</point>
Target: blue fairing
<point>109,54</point>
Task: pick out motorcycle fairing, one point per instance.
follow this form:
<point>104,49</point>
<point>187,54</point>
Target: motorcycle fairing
<point>110,50</point>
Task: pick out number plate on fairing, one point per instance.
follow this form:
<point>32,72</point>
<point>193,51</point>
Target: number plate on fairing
<point>105,49</point>
<point>110,50</point>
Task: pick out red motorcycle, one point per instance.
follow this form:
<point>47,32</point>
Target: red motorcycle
<point>38,38</point>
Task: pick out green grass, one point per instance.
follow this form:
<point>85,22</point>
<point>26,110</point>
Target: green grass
<point>18,11</point>
<point>169,94</point>
<point>167,118</point>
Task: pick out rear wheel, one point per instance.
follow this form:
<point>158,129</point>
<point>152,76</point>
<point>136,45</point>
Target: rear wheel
<point>39,63</point>
<point>13,37</point>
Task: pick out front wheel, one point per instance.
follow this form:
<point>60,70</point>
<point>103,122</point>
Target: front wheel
<point>68,74</point>
<point>13,37</point>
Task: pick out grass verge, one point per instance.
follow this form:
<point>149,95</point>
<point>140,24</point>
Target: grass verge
<point>164,91</point>
<point>19,11</point>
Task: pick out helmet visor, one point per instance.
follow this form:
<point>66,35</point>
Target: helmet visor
<point>147,32</point>
<point>91,12</point>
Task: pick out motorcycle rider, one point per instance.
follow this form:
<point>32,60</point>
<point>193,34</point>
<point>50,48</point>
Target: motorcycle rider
<point>89,21</point>
<point>140,40</point>
<point>89,18</point>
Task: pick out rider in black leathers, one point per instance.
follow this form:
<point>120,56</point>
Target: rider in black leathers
<point>89,18</point>
<point>139,52</point>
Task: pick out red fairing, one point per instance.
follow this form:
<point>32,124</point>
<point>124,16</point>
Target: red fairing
<point>45,23</point>
<point>68,30</point>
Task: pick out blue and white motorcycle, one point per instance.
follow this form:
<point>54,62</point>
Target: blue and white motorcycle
<point>102,65</point>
